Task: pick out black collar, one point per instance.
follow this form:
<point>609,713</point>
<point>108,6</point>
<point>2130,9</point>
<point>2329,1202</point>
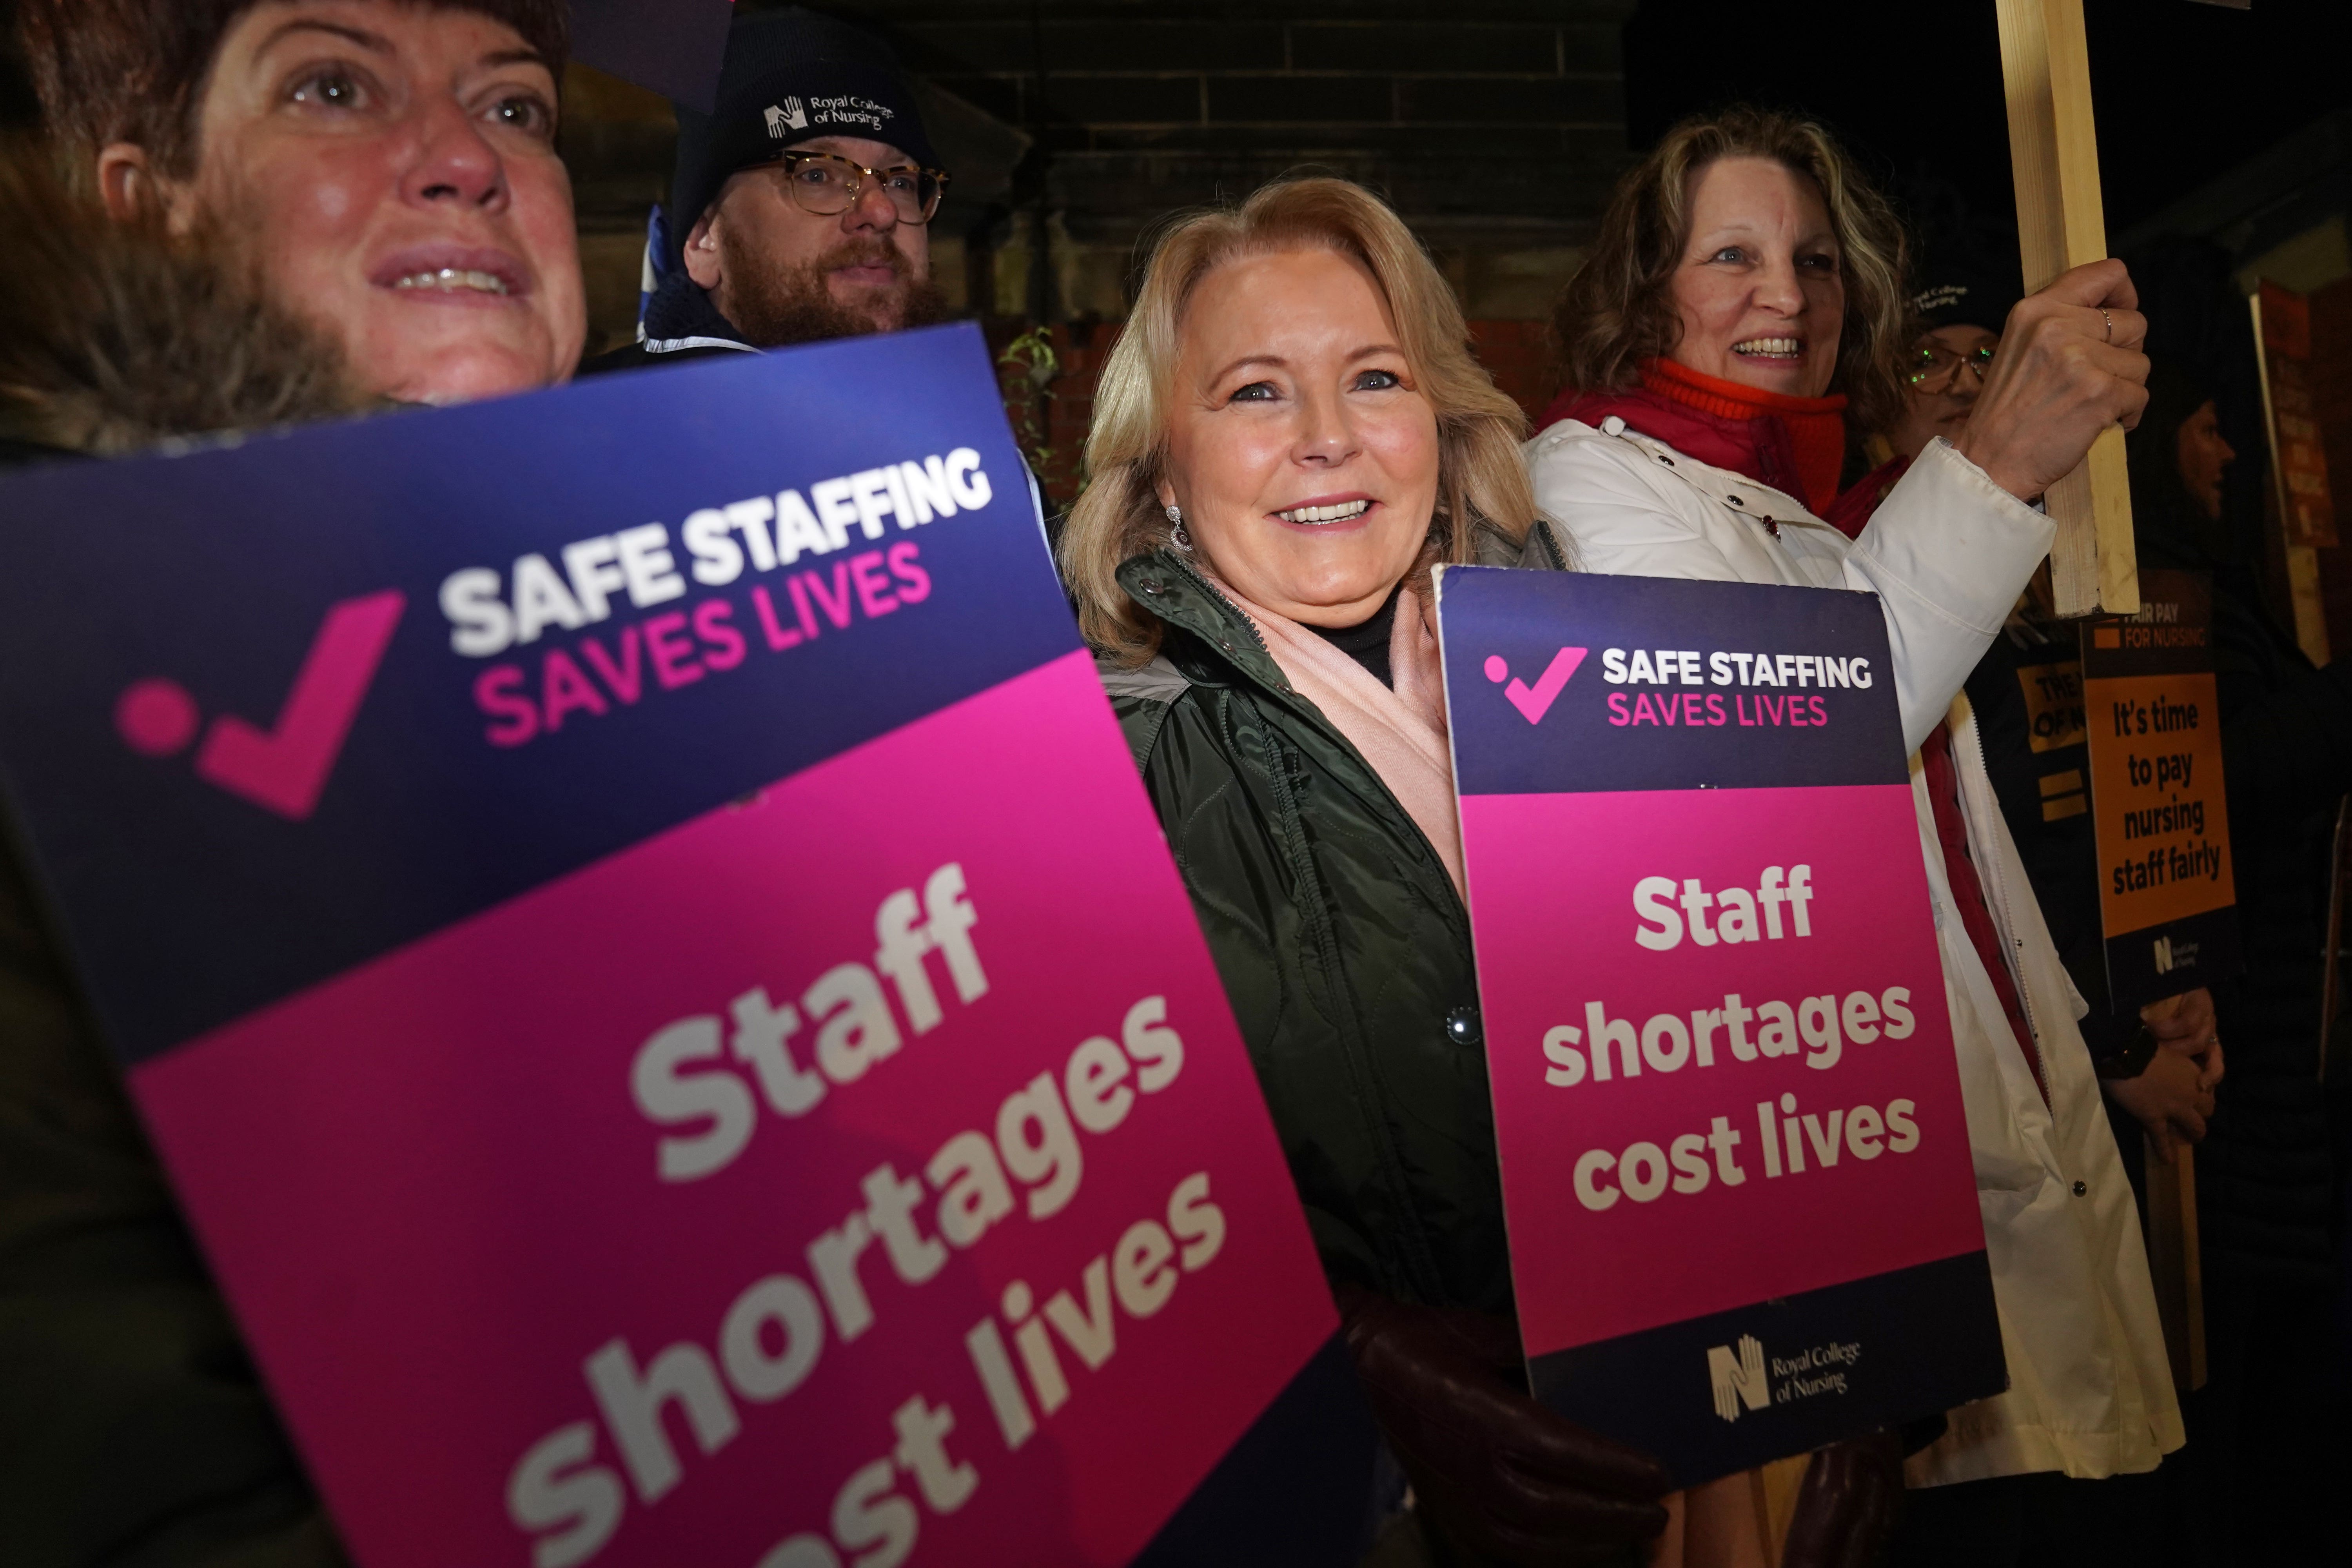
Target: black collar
<point>680,315</point>
<point>1367,642</point>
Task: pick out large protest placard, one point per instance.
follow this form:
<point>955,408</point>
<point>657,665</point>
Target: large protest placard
<point>641,945</point>
<point>1736,1169</point>
<point>2168,886</point>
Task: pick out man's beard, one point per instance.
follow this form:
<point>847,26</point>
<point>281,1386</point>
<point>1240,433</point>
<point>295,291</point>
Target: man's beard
<point>773,306</point>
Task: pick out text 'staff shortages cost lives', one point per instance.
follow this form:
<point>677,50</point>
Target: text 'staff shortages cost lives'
<point>643,948</point>
<point>1735,1168</point>
<point>2159,813</point>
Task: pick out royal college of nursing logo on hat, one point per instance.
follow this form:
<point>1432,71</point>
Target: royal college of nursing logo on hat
<point>850,109</point>
<point>1937,298</point>
<point>847,110</point>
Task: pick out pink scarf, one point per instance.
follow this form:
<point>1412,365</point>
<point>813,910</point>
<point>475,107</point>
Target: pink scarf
<point>1400,733</point>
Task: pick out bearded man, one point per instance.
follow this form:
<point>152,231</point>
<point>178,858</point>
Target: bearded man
<point>801,206</point>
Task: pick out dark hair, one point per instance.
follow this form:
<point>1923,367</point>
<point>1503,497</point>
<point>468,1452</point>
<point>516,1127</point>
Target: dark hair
<point>1619,309</point>
<point>2169,527</point>
<point>115,335</point>
<point>134,70</point>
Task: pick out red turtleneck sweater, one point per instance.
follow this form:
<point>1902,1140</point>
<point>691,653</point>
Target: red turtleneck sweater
<point>1796,445</point>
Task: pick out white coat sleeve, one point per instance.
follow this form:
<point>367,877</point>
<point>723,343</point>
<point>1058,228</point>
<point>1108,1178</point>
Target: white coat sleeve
<point>1623,520</point>
<point>1947,553</point>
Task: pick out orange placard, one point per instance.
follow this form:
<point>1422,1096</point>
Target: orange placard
<point>2161,818</point>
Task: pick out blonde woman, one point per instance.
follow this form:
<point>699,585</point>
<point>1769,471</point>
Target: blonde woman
<point>1288,435</point>
<point>1742,297</point>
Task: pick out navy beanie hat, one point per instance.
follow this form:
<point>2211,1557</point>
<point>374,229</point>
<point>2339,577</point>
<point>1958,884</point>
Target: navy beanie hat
<point>1967,286</point>
<point>790,75</point>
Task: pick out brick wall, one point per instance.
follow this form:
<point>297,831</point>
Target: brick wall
<point>1496,130</point>
<point>1518,356</point>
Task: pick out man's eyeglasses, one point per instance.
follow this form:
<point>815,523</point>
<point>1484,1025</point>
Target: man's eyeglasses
<point>1934,368</point>
<point>827,184</point>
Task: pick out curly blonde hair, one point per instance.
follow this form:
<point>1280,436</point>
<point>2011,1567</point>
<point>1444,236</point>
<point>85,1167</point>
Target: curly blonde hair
<point>1619,309</point>
<point>1480,482</point>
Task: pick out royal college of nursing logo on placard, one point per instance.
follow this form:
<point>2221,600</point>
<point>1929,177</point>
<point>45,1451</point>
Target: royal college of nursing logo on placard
<point>1737,1381</point>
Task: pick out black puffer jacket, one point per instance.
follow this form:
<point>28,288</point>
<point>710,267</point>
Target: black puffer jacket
<point>2266,1175</point>
<point>1342,944</point>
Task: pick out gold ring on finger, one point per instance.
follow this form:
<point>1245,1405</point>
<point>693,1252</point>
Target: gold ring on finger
<point>2110,325</point>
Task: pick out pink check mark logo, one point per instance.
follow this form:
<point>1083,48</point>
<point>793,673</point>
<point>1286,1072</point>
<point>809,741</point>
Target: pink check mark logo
<point>1534,701</point>
<point>283,768</point>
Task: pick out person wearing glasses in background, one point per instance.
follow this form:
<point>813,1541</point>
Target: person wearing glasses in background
<point>800,206</point>
<point>1945,367</point>
<point>2027,693</point>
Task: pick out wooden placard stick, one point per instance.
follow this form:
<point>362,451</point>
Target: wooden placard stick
<point>2053,155</point>
<point>2174,1262</point>
<point>2175,1259</point>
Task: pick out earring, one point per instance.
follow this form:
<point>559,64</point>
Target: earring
<point>1177,536</point>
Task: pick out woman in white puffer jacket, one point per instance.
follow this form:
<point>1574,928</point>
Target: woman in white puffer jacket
<point>1741,274</point>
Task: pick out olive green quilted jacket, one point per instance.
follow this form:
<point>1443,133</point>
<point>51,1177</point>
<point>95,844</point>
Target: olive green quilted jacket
<point>1343,944</point>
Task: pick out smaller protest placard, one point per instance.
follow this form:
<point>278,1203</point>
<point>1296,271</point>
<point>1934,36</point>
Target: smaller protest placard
<point>2168,886</point>
<point>1736,1169</point>
<point>2298,455</point>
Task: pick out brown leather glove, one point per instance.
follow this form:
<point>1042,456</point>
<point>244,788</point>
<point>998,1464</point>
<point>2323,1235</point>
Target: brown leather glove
<point>1849,1504</point>
<point>1491,1468</point>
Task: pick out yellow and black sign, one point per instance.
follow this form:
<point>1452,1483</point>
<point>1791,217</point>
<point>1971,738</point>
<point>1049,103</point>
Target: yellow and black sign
<point>2054,722</point>
<point>2167,889</point>
<point>2053,705</point>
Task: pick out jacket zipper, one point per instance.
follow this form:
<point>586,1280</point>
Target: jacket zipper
<point>1247,624</point>
<point>1986,872</point>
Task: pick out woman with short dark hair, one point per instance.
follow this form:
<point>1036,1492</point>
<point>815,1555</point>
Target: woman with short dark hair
<point>316,205</point>
<point>388,166</point>
<point>1742,297</point>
